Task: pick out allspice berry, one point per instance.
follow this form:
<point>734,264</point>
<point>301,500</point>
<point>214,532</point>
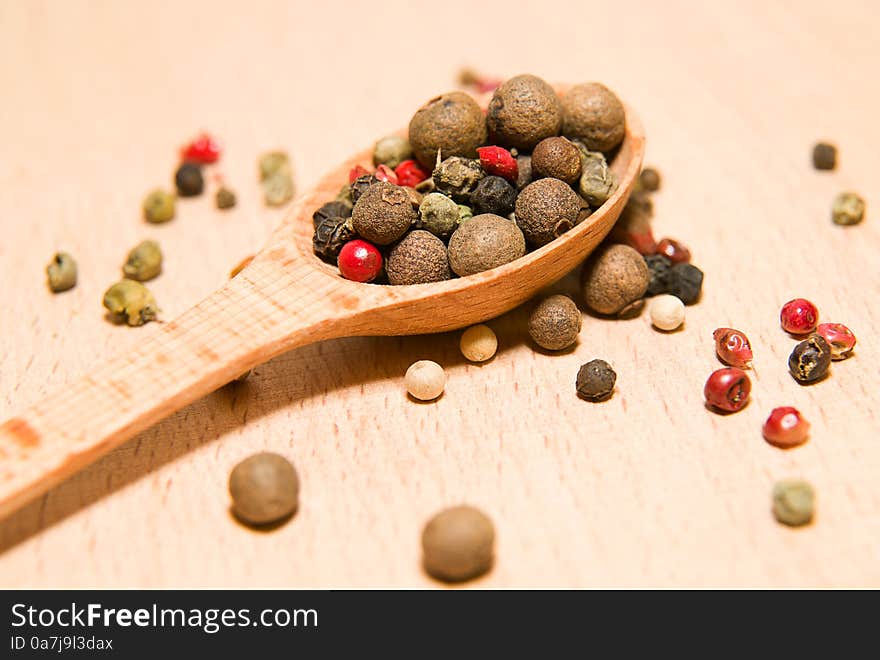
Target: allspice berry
<point>419,258</point>
<point>558,158</point>
<point>614,277</point>
<point>458,544</point>
<point>383,213</point>
<point>545,209</point>
<point>264,489</point>
<point>524,111</point>
<point>555,323</point>
<point>483,242</point>
<point>593,114</point>
<point>452,124</point>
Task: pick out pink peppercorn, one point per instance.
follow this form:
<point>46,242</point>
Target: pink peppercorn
<point>728,389</point>
<point>204,149</point>
<point>356,172</point>
<point>498,161</point>
<point>673,250</point>
<point>385,173</point>
<point>840,338</point>
<point>359,261</point>
<point>410,174</point>
<point>786,428</point>
<point>733,347</point>
<point>799,316</point>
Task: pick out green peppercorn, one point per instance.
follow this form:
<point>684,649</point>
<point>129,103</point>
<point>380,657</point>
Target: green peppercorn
<point>62,272</point>
<point>598,181</point>
<point>225,198</point>
<point>159,206</point>
<point>793,502</point>
<point>439,215</point>
<point>144,262</point>
<point>189,180</point>
<point>392,151</point>
<point>278,189</point>
<point>130,302</point>
<point>458,177</point>
<point>464,213</point>
<point>848,209</point>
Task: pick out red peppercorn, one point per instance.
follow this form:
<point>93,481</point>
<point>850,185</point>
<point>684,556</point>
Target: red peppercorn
<point>356,172</point>
<point>359,261</point>
<point>410,174</point>
<point>840,338</point>
<point>728,389</point>
<point>385,173</point>
<point>673,250</point>
<point>733,347</point>
<point>204,149</point>
<point>799,316</point>
<point>498,161</point>
<point>786,428</point>
<point>484,85</point>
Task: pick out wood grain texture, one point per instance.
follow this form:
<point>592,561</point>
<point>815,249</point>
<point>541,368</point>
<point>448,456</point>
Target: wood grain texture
<point>647,489</point>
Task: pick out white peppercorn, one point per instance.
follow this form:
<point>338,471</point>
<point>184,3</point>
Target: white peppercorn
<point>478,343</point>
<point>667,312</point>
<point>425,380</point>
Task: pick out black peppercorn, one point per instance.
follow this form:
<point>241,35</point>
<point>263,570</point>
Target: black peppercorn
<point>658,270</point>
<point>595,380</point>
<point>189,180</point>
<point>330,235</point>
<point>359,186</point>
<point>334,209</point>
<point>810,359</point>
<point>493,195</point>
<point>685,282</point>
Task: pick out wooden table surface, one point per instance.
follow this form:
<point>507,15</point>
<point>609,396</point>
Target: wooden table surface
<point>647,489</point>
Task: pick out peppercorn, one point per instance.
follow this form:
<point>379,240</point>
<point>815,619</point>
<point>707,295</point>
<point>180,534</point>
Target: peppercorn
<point>334,209</point>
<point>409,173</point>
<point>595,381</point>
<point>597,182</point>
<point>360,185</point>
<point>498,161</point>
<point>728,389</point>
<point>278,189</point>
<point>786,428</point>
<point>425,380</point>
<point>810,359</point>
<point>633,227</point>
<point>330,235</point>
<point>427,186</point>
<point>385,173</point>
<point>523,111</point>
<point>524,171</point>
<point>558,158</point>
<point>555,323</point>
<point>685,282</point>
<point>244,263</point>
<point>458,177</point>
<point>493,195</point>
<point>484,242</point>
<point>824,156</point>
<point>593,114</point>
<point>673,250</point>
<point>420,257</point>
<point>62,272</point>
<point>204,149</point>
<point>264,489</point>
<point>391,151</point>
<point>649,179</point>
<point>667,312</point>
<point>613,277</point>
<point>130,302</point>
<point>799,316</point>
<point>225,198</point>
<point>478,343</point>
<point>439,215</point>
<point>159,206</point>
<point>189,180</point>
<point>144,262</point>
<point>658,271</point>
<point>733,347</point>
<point>359,261</point>
<point>840,338</point>
<point>547,208</point>
<point>272,163</point>
<point>344,195</point>
<point>458,544</point>
<point>793,502</point>
<point>451,124</point>
<point>848,209</point>
<point>383,213</point>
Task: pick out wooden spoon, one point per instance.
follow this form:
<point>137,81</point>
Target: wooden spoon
<point>285,298</point>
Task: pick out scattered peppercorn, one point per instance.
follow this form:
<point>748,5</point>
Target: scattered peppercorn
<point>458,544</point>
<point>272,163</point>
<point>359,261</point>
<point>478,343</point>
<point>793,502</point>
<point>62,272</point>
<point>264,489</point>
<point>613,277</point>
<point>523,111</point>
<point>391,151</point>
<point>685,282</point>
<point>799,316</point>
<point>810,359</point>
<point>547,208</point>
<point>419,258</point>
<point>595,380</point>
<point>189,180</point>
<point>225,198</point>
<point>383,213</point>
<point>524,171</point>
<point>658,271</point>
<point>458,177</point>
<point>244,263</point>
<point>360,185</point>
<point>330,236</point>
<point>144,262</point>
<point>130,302</point>
<point>334,209</point>
<point>785,428</point>
<point>484,242</point>
<point>593,114</point>
<point>493,195</point>
<point>498,161</point>
<point>276,177</point>
<point>555,323</point>
<point>673,250</point>
<point>667,312</point>
<point>848,209</point>
<point>598,181</point>
<point>840,338</point>
<point>451,124</point>
<point>439,215</point>
<point>824,156</point>
<point>558,158</point>
<point>728,389</point>
<point>425,380</point>
<point>649,179</point>
<point>204,149</point>
<point>733,347</point>
<point>410,174</point>
<point>159,206</point>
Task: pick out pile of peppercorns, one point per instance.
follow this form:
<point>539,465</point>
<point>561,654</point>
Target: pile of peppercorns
<point>467,192</point>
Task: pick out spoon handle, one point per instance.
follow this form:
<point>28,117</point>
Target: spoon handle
<point>258,314</point>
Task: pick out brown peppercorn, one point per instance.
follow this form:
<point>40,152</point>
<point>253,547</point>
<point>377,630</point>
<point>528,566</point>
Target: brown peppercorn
<point>483,242</point>
<point>383,213</point>
<point>595,380</point>
<point>593,114</point>
<point>523,111</point>
<point>614,277</point>
<point>824,156</point>
<point>555,323</point>
<point>458,544</point>
<point>558,158</point>
<point>264,489</point>
<point>649,180</point>
<point>419,258</point>
<point>547,208</point>
<point>452,124</point>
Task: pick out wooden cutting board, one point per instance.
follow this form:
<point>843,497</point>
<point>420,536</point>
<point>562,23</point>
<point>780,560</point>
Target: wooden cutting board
<point>647,489</point>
